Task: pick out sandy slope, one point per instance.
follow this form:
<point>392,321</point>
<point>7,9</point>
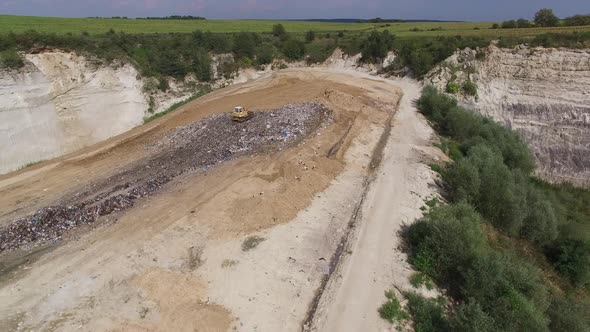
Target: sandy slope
<point>376,263</point>
<point>174,261</point>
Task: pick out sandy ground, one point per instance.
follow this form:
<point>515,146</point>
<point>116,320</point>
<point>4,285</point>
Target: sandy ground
<point>175,261</point>
<point>375,262</point>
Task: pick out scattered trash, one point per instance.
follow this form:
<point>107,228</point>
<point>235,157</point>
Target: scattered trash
<point>195,147</point>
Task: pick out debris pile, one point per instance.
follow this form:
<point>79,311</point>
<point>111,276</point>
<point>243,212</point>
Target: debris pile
<point>195,147</point>
<point>46,224</point>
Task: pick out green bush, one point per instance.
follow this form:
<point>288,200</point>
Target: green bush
<point>499,290</point>
<point>509,290</point>
<point>11,59</point>
<point>214,42</point>
<point>569,314</point>
<point>522,23</point>
<point>163,84</point>
<point>245,45</point>
<point>392,310</point>
<point>540,223</point>
<point>470,88</point>
<point>201,65</point>
<point>319,51</point>
<point>452,87</point>
<point>420,279</point>
<point>428,315</point>
<point>293,49</point>
<point>376,46</point>
<point>264,54</point>
<point>444,241</point>
<point>464,181</point>
<point>571,258</point>
<point>471,129</point>
<point>502,193</point>
<point>309,36</point>
<point>422,62</point>
<point>511,24</point>
<point>278,30</point>
<point>435,105</point>
<point>577,20</point>
<point>470,317</point>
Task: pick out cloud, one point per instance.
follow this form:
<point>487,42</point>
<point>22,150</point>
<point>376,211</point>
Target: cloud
<point>193,6</point>
<point>278,9</point>
<point>150,4</point>
<point>248,5</point>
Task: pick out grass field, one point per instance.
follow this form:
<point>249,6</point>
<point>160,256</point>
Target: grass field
<point>430,29</point>
<point>96,26</point>
<point>421,29</point>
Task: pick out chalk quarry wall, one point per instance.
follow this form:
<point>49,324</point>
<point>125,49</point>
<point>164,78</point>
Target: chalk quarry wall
<point>544,94</point>
<point>61,102</point>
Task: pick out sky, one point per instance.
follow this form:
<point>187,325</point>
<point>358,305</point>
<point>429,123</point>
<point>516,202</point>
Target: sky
<point>464,10</point>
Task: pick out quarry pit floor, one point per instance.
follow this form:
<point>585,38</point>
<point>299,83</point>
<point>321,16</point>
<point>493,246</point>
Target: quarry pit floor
<point>326,208</point>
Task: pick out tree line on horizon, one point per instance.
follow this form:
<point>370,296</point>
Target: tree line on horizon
<point>544,18</point>
<point>171,17</point>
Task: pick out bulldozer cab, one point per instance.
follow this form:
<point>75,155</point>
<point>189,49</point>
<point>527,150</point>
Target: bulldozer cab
<point>240,114</point>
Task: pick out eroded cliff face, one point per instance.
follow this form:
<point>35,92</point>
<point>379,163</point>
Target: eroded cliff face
<point>544,94</point>
<point>61,102</point>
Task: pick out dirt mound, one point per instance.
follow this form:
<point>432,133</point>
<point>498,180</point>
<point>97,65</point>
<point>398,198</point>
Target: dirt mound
<point>195,147</point>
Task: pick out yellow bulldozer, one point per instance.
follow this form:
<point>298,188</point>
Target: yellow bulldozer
<point>241,114</point>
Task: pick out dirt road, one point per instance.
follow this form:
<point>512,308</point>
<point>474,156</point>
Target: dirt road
<point>376,264</point>
<point>176,261</point>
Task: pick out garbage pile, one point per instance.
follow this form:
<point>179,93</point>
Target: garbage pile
<point>195,147</point>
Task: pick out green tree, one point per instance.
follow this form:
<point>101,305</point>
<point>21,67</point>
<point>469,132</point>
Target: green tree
<point>278,30</point>
<point>422,62</point>
<point>375,47</point>
<point>470,317</point>
<point>428,314</point>
<point>522,23</point>
<point>571,257</point>
<point>569,314</point>
<point>577,20</point>
<point>264,54</point>
<point>245,45</point>
<point>309,36</point>
<point>546,18</point>
<point>502,194</point>
<point>509,289</point>
<point>445,241</point>
<point>201,65</point>
<point>511,24</point>
<point>540,224</point>
<point>293,49</point>
<point>464,181</point>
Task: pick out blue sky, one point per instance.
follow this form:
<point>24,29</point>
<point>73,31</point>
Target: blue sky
<point>468,10</point>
